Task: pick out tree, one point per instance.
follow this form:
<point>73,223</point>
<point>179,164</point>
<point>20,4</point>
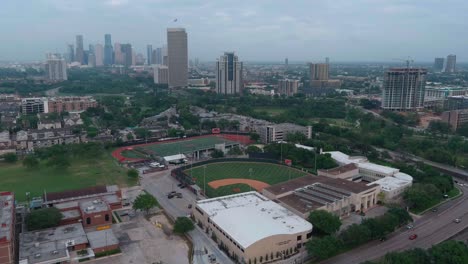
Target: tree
<point>145,202</point>
<point>183,225</point>
<point>355,235</point>
<point>217,154</point>
<point>235,151</point>
<point>129,137</point>
<point>43,218</point>
<point>323,248</point>
<point>58,161</point>
<point>132,173</point>
<point>142,133</point>
<point>449,252</point>
<point>438,127</point>
<point>413,256</point>
<point>254,136</point>
<point>10,157</point>
<point>253,149</point>
<point>324,222</point>
<point>30,162</point>
<point>421,196</point>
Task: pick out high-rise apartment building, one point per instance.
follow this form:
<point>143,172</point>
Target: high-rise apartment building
<point>161,74</point>
<point>403,89</point>
<point>229,74</point>
<point>319,71</point>
<point>118,55</point>
<point>438,64</point>
<point>56,68</point>
<point>70,53</point>
<point>149,54</point>
<point>127,54</point>
<point>99,55</point>
<point>177,57</point>
<point>108,51</point>
<point>288,87</point>
<point>79,54</point>
<point>451,62</point>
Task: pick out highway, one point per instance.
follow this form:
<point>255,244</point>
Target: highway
<point>431,229</point>
<point>159,184</point>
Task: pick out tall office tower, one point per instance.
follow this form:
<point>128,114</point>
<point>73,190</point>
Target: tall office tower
<point>177,57</point>
<point>319,71</point>
<point>127,54</point>
<point>438,64</point>
<point>71,53</point>
<point>403,89</point>
<point>149,54</point>
<point>286,62</point>
<point>56,68</point>
<point>228,74</point>
<point>161,74</point>
<point>91,59</point>
<point>288,87</point>
<point>451,62</point>
<point>91,48</point>
<point>99,55</point>
<point>108,51</point>
<point>79,54</point>
<point>327,60</point>
<point>157,56</point>
<point>118,55</point>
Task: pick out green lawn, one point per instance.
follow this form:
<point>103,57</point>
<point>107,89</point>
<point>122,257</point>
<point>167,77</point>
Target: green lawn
<point>16,178</point>
<point>181,146</point>
<point>265,172</point>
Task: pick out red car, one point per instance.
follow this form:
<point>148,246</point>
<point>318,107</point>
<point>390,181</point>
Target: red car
<point>413,237</point>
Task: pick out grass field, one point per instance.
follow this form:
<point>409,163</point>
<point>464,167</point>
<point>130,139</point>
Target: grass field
<point>19,179</point>
<point>265,172</point>
<point>181,146</point>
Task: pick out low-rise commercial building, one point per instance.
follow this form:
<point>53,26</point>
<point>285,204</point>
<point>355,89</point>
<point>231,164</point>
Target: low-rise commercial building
<point>279,132</point>
<point>7,228</point>
<point>252,228</point>
<point>340,197</point>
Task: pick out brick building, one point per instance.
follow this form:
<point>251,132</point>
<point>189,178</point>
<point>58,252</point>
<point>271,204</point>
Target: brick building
<point>7,228</point>
<point>70,104</point>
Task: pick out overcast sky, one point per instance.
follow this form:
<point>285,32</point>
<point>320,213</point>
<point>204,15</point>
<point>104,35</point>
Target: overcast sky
<point>258,30</point>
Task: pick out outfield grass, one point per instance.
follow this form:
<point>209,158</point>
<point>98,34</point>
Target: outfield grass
<point>181,146</point>
<point>19,179</point>
<point>265,172</point>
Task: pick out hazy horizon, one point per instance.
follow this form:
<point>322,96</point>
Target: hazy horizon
<point>262,30</point>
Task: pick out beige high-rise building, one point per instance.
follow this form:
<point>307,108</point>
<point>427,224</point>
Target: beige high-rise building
<point>161,74</point>
<point>229,74</point>
<point>177,58</point>
<point>56,68</point>
<point>118,55</point>
<point>319,71</point>
<point>288,87</point>
<point>99,55</point>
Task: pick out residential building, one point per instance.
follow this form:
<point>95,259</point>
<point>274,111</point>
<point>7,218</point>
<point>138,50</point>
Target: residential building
<point>229,74</point>
<point>319,71</point>
<point>149,54</point>
<point>79,54</point>
<point>32,139</point>
<point>320,82</point>
<point>279,132</point>
<point>438,64</point>
<point>56,68</point>
<point>177,52</point>
<point>34,105</point>
<point>403,89</point>
<point>7,228</point>
<point>455,118</point>
<point>337,196</point>
<point>70,104</point>
<point>270,230</point>
<point>161,74</point>
<point>288,87</point>
<point>451,63</point>
<point>99,55</point>
<point>108,51</point>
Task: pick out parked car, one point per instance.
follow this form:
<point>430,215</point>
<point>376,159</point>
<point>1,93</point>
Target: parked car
<point>457,220</point>
<point>434,209</point>
<point>409,226</point>
<point>413,237</point>
<point>178,195</point>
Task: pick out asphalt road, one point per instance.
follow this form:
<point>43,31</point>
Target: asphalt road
<point>161,183</point>
<point>431,229</point>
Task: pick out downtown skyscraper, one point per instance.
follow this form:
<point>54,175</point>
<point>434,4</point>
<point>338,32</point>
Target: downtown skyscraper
<point>229,74</point>
<point>177,52</point>
<point>149,54</point>
<point>79,54</point>
<point>108,51</point>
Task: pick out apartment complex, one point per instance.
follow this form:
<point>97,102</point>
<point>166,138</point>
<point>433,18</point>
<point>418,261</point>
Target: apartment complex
<point>229,74</point>
<point>403,89</point>
<point>56,68</point>
<point>57,104</point>
<point>309,193</point>
<point>177,52</point>
<point>252,228</point>
<point>7,228</point>
<point>278,132</point>
<point>288,87</point>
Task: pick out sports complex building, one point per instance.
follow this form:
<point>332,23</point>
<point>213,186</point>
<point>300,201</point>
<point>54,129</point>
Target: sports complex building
<point>253,229</point>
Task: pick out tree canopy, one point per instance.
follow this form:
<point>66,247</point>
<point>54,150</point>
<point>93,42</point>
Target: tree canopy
<point>324,222</point>
<point>145,202</point>
<point>183,225</point>
<point>43,218</point>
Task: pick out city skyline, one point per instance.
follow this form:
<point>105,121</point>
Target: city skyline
<point>359,31</point>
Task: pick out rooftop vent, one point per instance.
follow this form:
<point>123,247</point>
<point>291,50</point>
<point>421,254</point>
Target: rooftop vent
<point>38,255</point>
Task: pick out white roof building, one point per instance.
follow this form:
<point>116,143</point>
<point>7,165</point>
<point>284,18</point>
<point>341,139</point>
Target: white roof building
<point>248,223</point>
